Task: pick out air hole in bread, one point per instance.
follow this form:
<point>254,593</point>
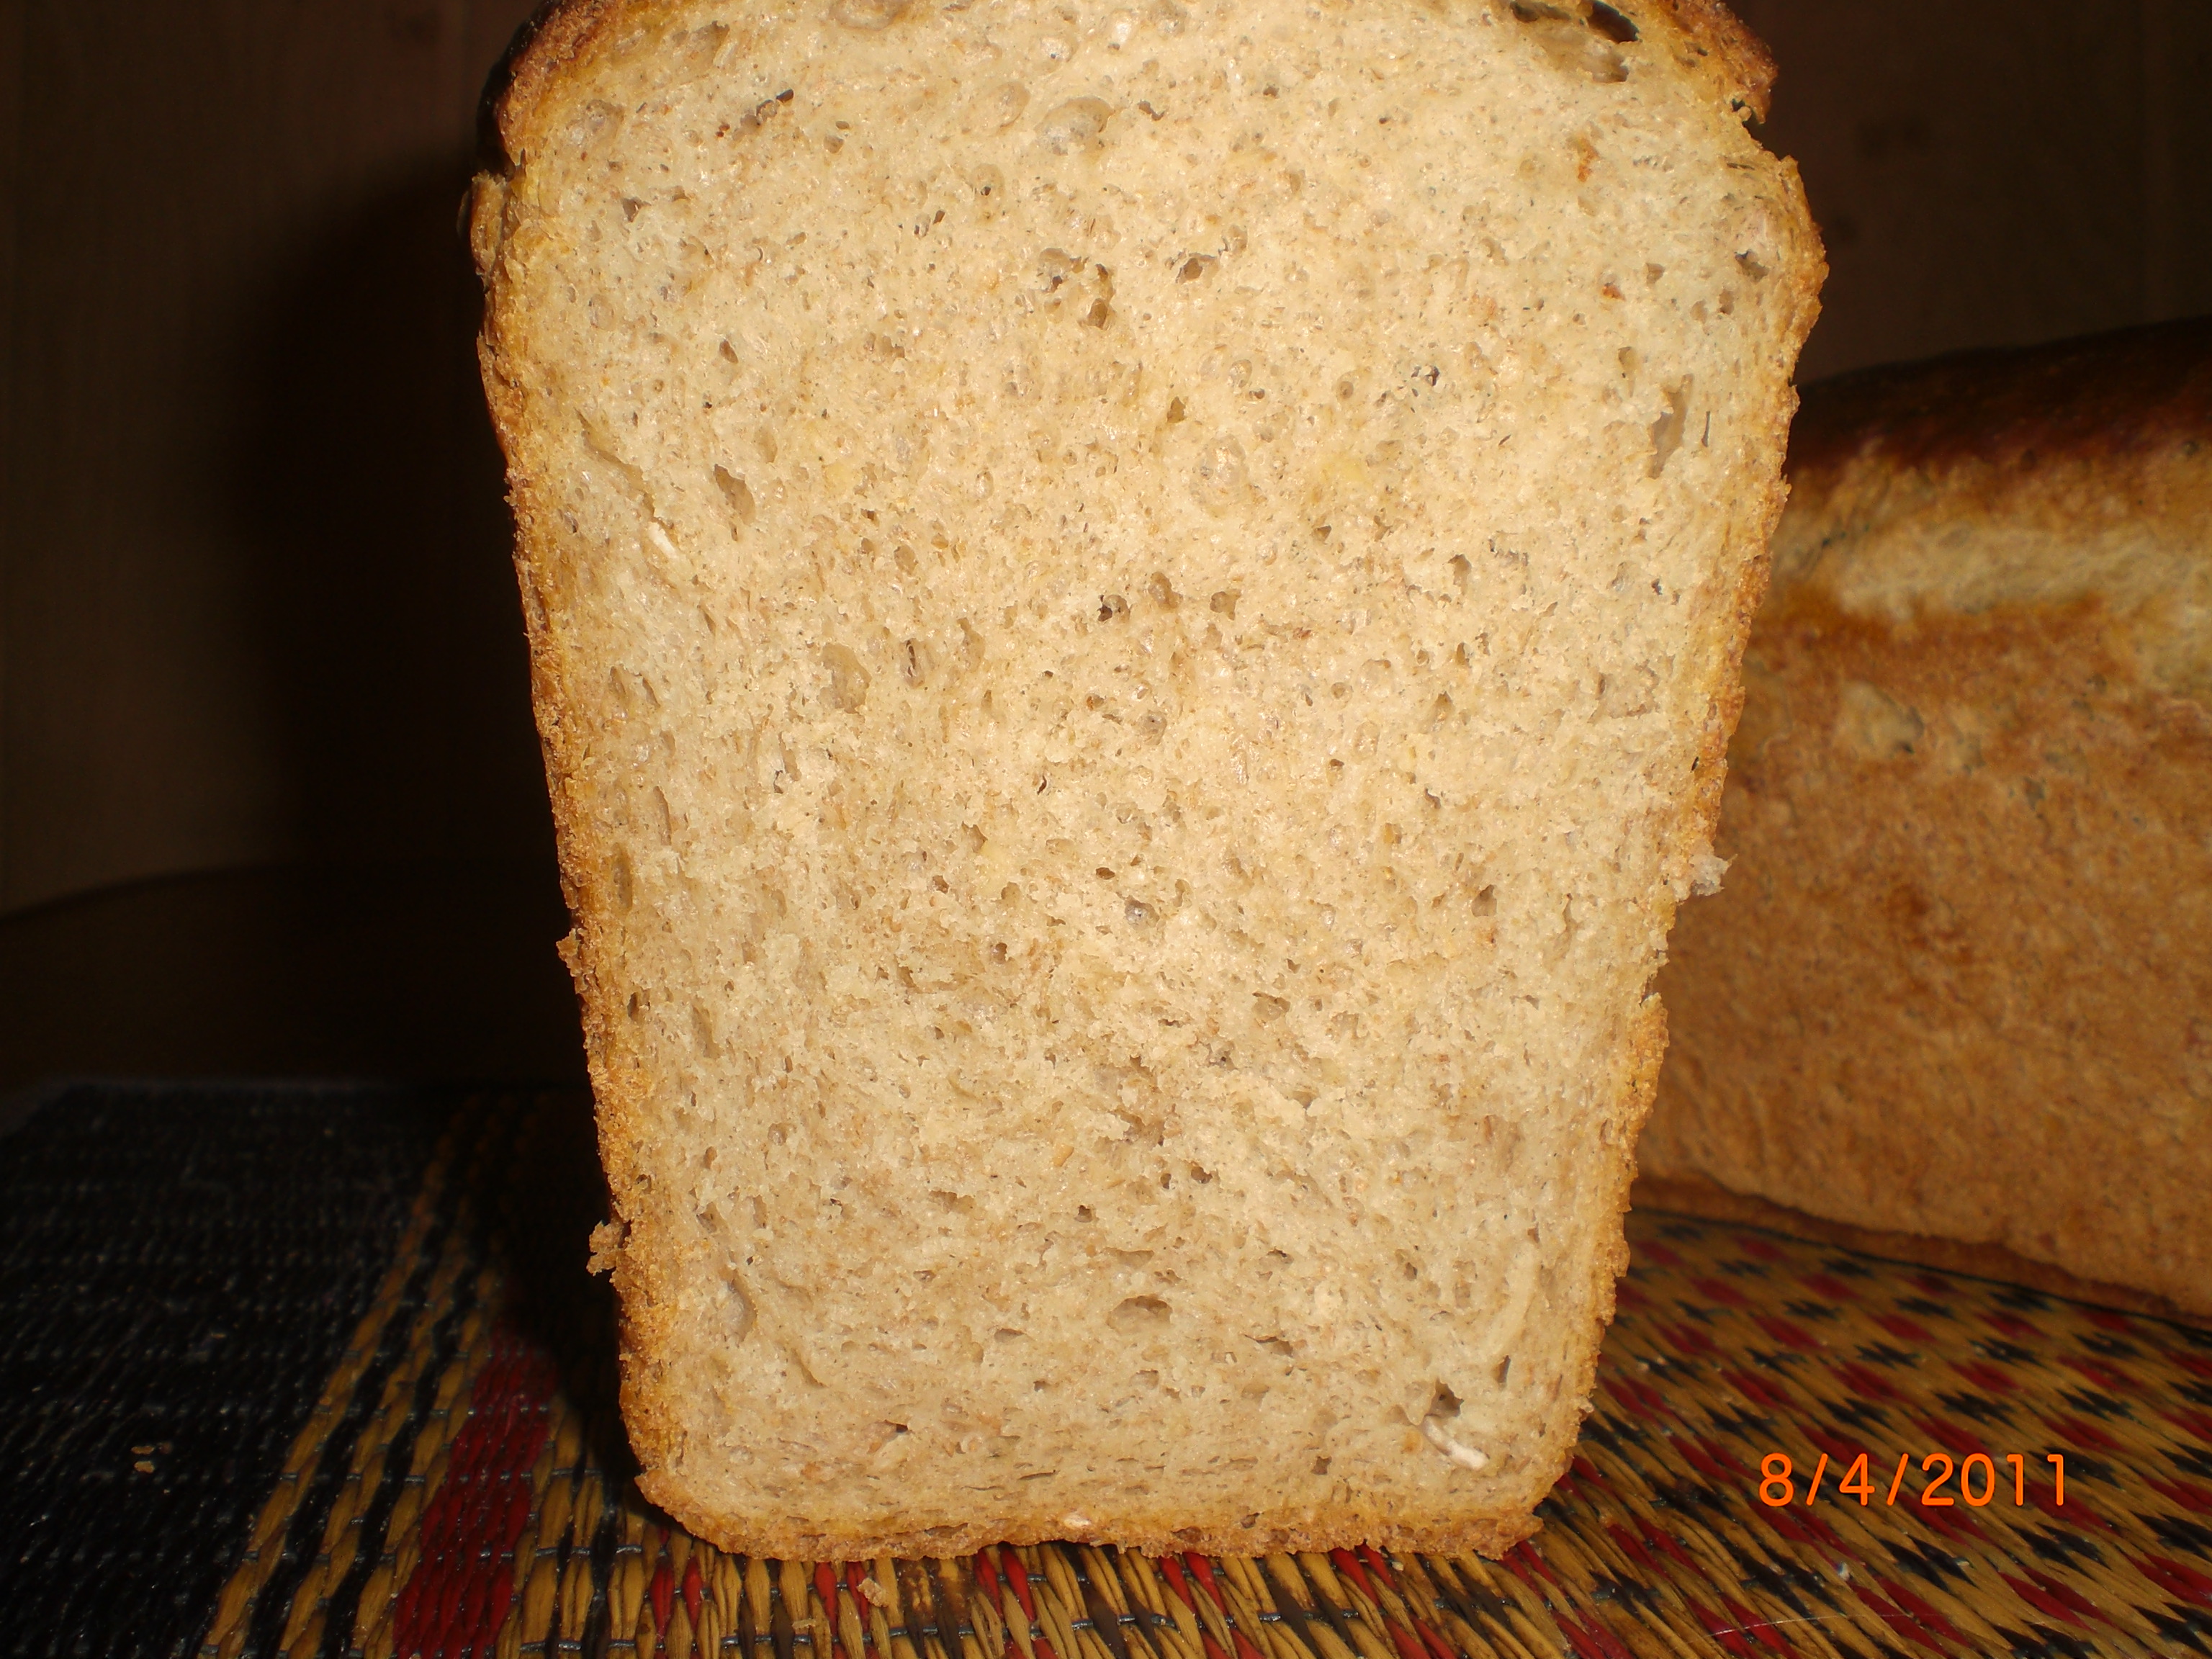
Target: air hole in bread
<point>1138,1313</point>
<point>1566,37</point>
<point>848,679</point>
<point>1612,24</point>
<point>1666,430</point>
<point>868,16</point>
<point>734,491</point>
<point>740,1318</point>
<point>1074,124</point>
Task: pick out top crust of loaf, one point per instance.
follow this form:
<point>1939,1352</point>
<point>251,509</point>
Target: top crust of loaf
<point>559,41</point>
<point>2040,479</point>
<point>2102,399</point>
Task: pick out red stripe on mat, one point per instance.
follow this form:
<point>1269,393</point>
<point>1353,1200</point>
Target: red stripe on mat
<point>457,1599</point>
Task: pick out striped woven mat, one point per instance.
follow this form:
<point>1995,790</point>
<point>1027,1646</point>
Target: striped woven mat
<point>1778,1425</point>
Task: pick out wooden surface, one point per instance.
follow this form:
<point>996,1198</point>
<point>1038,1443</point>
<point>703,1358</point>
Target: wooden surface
<point>255,607</point>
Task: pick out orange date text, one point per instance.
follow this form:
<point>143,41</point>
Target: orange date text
<point>1939,1482</point>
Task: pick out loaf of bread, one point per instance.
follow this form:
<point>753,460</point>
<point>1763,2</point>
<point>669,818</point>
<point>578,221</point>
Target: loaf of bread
<point>1135,616</point>
<point>1960,982</point>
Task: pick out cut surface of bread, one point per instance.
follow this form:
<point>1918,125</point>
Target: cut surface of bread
<point>1134,617</point>
<point>1957,983</point>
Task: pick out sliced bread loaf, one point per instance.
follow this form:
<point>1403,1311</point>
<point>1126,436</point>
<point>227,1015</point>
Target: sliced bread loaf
<point>1959,984</point>
<point>1134,613</point>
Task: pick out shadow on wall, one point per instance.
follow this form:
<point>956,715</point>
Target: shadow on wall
<point>1994,171</point>
<point>411,931</point>
<point>368,493</point>
<point>430,970</point>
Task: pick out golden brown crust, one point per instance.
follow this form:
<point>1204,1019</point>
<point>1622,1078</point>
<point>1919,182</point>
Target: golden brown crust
<point>1490,1535</point>
<point>581,845</point>
<point>555,42</point>
<point>1747,67</point>
<point>1696,1195</point>
<point>563,33</point>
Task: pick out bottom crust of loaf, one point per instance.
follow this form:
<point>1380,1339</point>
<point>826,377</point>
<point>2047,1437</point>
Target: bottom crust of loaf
<point>1709,1200</point>
<point>1490,1535</point>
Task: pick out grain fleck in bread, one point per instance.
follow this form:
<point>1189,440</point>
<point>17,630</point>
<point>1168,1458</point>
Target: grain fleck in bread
<point>1134,616</point>
<point>1957,984</point>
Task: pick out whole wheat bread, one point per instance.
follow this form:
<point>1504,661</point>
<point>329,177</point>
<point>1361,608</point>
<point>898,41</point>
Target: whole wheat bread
<point>1134,615</point>
<point>1958,985</point>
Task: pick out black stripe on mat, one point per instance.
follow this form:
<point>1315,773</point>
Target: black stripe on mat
<point>180,1267</point>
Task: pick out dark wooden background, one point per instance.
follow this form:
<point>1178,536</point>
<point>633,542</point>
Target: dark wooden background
<point>269,791</point>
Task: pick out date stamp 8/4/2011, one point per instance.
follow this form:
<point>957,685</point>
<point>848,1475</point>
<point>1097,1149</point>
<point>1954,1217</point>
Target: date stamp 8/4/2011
<point>1979,1480</point>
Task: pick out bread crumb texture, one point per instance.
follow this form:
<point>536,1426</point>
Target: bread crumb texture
<point>1134,613</point>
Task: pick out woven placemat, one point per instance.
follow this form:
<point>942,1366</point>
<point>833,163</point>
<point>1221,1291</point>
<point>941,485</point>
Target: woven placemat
<point>460,1487</point>
<point>180,1269</point>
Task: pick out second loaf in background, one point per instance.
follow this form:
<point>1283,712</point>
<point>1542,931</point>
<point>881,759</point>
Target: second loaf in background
<point>1134,615</point>
<point>1958,983</point>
